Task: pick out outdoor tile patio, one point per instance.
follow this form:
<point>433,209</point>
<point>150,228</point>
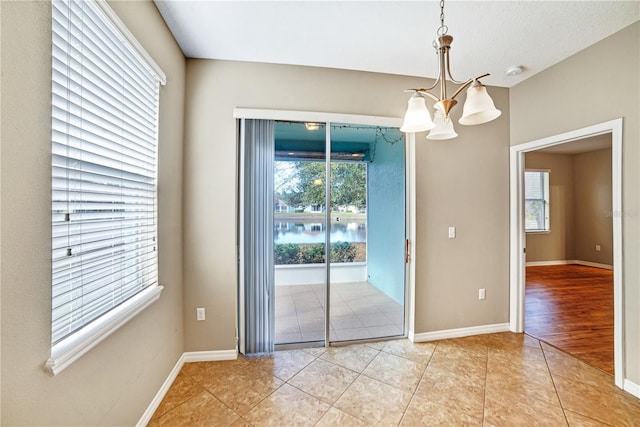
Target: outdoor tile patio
<point>358,311</point>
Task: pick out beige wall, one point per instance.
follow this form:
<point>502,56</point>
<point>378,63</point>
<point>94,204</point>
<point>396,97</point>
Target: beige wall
<point>461,183</point>
<point>593,221</point>
<point>114,382</point>
<point>570,95</point>
<point>558,243</point>
<point>581,203</point>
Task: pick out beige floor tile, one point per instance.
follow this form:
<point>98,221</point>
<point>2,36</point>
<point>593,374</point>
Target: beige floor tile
<point>515,381</point>
<point>284,364</point>
<point>396,371</point>
<point>335,418</point>
<point>509,410</point>
<point>462,363</point>
<point>511,340</point>
<point>201,410</point>
<point>209,374</point>
<point>354,357</point>
<point>241,422</point>
<point>241,391</point>
<point>183,388</point>
<point>616,408</point>
<point>378,345</point>
<point>565,365</point>
<point>458,391</point>
<point>577,420</point>
<point>418,352</point>
<point>521,387</point>
<point>422,412</point>
<point>477,345</point>
<point>324,380</point>
<point>374,402</point>
<point>287,406</point>
<point>526,379</point>
<point>315,351</point>
<point>517,353</point>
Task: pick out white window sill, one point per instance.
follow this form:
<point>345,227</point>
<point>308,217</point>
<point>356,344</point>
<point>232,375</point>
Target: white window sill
<point>73,347</point>
<point>538,231</point>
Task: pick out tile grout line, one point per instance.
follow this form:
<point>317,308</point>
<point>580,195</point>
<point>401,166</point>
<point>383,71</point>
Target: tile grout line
<point>413,395</point>
<point>553,381</point>
<point>484,390</point>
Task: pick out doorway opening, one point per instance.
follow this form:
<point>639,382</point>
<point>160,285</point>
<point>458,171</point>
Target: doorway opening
<point>528,249</point>
<point>569,248</point>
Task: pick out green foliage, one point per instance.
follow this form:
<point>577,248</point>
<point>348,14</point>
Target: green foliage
<point>312,254</point>
<point>284,253</point>
<point>349,184</point>
<point>343,252</point>
<point>291,253</point>
<point>305,184</point>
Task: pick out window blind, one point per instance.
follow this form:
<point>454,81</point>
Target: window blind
<point>536,190</point>
<point>105,102</point>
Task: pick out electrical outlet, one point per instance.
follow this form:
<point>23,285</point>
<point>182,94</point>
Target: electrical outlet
<point>452,232</point>
<point>200,313</point>
<point>597,248</point>
<point>481,294</point>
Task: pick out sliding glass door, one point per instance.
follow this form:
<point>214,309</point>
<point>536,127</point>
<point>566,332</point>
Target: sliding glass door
<point>339,232</point>
<point>300,232</point>
<point>366,281</point>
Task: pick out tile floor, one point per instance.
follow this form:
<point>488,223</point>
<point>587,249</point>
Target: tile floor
<point>358,311</point>
<point>500,379</point>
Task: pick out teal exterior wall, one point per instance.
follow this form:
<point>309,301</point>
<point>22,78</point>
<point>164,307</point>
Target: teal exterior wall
<point>386,219</point>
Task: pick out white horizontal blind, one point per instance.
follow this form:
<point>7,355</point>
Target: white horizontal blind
<point>536,194</point>
<point>104,142</point>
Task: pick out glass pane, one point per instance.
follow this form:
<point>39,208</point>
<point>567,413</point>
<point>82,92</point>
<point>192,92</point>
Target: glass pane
<point>299,232</point>
<point>366,278</point>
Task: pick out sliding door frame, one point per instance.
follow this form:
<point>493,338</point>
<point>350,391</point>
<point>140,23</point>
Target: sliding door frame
<point>410,203</point>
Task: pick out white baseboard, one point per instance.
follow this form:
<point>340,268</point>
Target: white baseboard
<point>146,417</point>
<point>460,332</point>
<point>569,261</point>
<point>632,388</point>
<point>209,356</point>
<point>543,263</point>
<point>192,356</point>
<point>594,264</point>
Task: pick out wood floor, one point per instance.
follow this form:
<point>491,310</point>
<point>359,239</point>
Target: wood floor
<point>571,308</point>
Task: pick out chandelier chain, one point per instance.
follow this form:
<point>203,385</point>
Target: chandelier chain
<point>443,28</point>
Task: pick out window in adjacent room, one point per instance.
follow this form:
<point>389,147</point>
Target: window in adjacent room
<point>105,102</point>
<point>536,196</point>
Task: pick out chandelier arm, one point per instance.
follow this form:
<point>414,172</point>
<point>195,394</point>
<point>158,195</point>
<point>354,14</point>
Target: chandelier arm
<point>467,83</point>
<point>440,77</point>
<point>429,94</point>
<point>449,71</point>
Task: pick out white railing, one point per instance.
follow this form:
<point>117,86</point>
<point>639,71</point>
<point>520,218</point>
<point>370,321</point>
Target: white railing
<point>312,274</point>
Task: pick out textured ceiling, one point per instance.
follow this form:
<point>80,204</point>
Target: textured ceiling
<point>395,36</point>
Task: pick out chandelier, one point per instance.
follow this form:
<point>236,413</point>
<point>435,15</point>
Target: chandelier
<point>478,107</point>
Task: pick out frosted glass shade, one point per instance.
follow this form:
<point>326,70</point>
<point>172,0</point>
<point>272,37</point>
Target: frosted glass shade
<point>444,127</point>
<point>417,117</point>
<point>479,107</point>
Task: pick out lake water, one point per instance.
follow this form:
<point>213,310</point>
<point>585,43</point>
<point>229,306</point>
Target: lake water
<point>314,232</point>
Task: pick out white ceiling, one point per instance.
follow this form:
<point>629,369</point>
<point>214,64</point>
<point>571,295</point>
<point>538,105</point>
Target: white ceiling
<point>395,36</point>
<point>592,143</point>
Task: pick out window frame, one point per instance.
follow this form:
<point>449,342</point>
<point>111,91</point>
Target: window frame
<point>67,350</point>
<point>546,199</point>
